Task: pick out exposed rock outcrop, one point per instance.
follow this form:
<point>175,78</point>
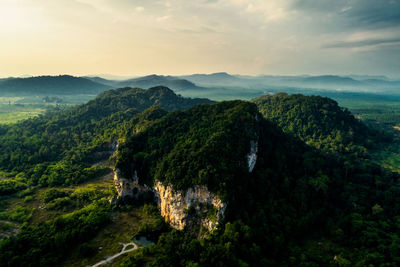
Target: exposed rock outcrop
<point>252,156</point>
<point>180,208</point>
<point>195,206</point>
<point>128,187</point>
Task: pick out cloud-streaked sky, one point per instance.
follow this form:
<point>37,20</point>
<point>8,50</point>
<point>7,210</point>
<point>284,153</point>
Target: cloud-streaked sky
<point>137,37</point>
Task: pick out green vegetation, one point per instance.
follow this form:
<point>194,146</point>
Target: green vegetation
<point>180,149</point>
<point>50,217</point>
<point>53,194</point>
<point>45,243</point>
<point>318,121</point>
<point>383,115</point>
<point>68,148</point>
<point>15,116</point>
<point>10,186</point>
<point>18,214</point>
<point>15,109</point>
<point>53,85</point>
<point>314,198</point>
<point>59,147</point>
<point>12,112</point>
<point>382,111</point>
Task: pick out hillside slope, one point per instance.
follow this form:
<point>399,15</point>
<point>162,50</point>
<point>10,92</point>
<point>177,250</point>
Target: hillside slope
<point>284,203</point>
<point>49,137</point>
<point>50,85</point>
<point>181,148</point>
<point>318,121</point>
<point>294,198</point>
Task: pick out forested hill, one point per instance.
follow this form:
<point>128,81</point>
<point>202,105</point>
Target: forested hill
<point>318,121</point>
<point>205,145</point>
<point>156,80</point>
<point>298,206</point>
<point>140,99</point>
<point>50,85</point>
<point>83,129</point>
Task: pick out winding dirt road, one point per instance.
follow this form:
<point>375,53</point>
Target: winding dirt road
<point>123,251</point>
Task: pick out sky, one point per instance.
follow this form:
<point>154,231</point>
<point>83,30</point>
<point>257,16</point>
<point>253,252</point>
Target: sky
<point>137,37</point>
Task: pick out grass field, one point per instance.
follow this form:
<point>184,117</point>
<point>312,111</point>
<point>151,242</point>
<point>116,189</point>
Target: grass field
<point>10,117</point>
<point>12,113</point>
<point>14,109</point>
<point>387,112</point>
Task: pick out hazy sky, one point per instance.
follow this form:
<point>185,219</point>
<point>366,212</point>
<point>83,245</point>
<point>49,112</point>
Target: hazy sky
<point>132,37</point>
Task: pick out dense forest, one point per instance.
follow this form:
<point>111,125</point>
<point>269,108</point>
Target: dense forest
<point>318,121</point>
<point>60,146</point>
<point>202,146</point>
<point>313,199</point>
<point>299,206</point>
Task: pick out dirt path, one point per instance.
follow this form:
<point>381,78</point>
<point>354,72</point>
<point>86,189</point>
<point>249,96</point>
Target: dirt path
<point>123,251</point>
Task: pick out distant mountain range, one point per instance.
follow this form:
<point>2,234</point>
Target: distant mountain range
<point>149,81</point>
<point>335,82</point>
<point>70,85</point>
<point>198,83</point>
<point>50,85</point>
<point>324,81</point>
<point>331,80</point>
<point>212,79</point>
<point>156,80</point>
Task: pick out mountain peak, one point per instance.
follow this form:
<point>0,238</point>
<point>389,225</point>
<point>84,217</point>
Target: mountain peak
<point>221,74</point>
<point>160,90</point>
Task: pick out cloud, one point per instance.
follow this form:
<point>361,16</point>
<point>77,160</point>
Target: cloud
<point>375,14</point>
<point>240,36</point>
<point>353,13</point>
<point>364,43</point>
<point>139,9</point>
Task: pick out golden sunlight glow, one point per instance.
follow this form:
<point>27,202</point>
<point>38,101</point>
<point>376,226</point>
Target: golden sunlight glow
<point>135,37</point>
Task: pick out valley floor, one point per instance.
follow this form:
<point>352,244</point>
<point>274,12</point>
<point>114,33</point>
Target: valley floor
<point>108,246</point>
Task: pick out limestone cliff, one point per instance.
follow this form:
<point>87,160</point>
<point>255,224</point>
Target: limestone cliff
<point>195,206</point>
<point>180,208</point>
<point>128,187</point>
<point>252,156</point>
